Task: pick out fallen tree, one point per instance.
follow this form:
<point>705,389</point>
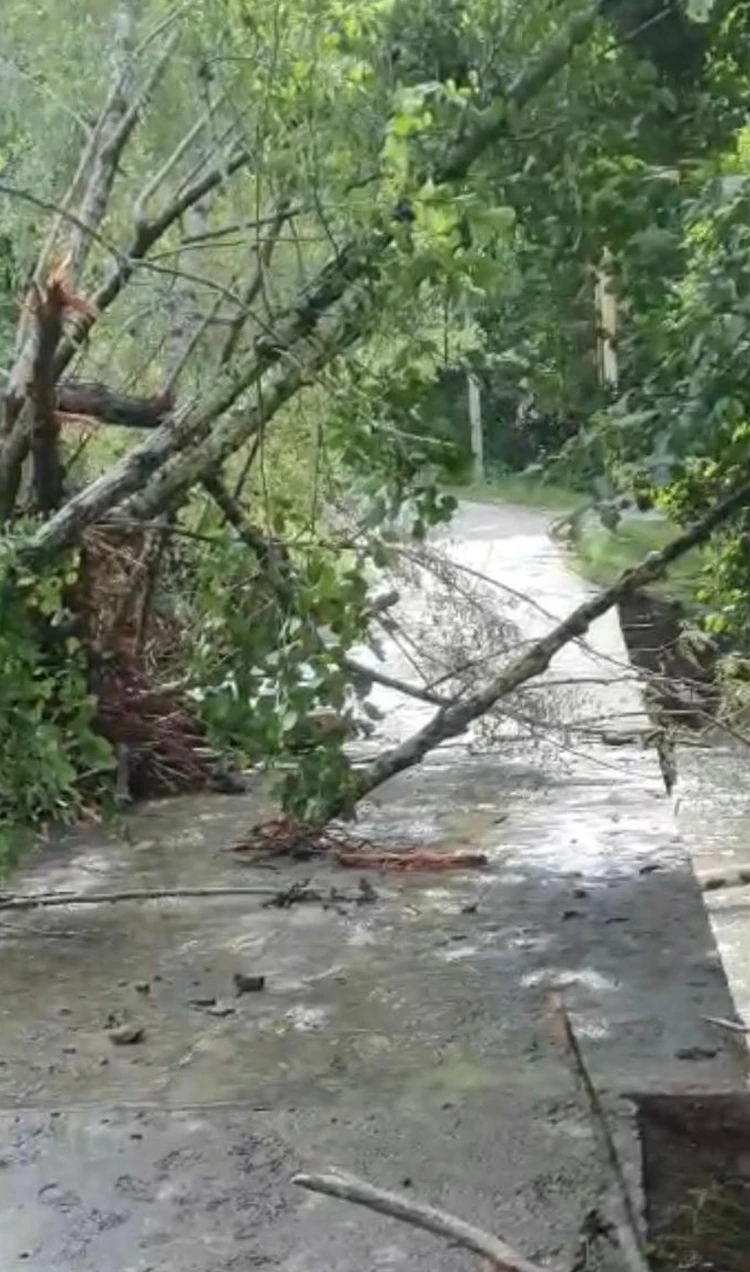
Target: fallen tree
<point>234,348</point>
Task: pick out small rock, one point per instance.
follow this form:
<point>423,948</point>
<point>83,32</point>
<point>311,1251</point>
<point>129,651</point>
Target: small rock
<point>127,1035</point>
<point>221,1009</point>
<point>142,987</point>
<point>696,1053</point>
<point>571,914</point>
<point>203,1002</point>
<point>651,868</point>
<point>471,908</point>
<point>580,893</point>
<point>367,894</point>
<point>245,984</point>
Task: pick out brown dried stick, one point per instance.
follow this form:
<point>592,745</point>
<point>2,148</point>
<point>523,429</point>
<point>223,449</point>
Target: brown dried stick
<point>50,900</point>
<point>349,1188</point>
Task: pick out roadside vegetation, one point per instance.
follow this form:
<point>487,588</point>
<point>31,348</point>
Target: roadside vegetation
<point>247,262</point>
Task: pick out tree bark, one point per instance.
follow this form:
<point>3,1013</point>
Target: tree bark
<point>96,401</point>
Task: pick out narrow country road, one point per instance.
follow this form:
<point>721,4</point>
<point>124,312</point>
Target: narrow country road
<point>407,1040</point>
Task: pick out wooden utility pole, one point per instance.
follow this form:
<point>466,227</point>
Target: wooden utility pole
<point>605,303</point>
<point>474,394</point>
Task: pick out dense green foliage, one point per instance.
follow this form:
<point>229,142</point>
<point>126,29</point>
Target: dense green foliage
<point>347,114</point>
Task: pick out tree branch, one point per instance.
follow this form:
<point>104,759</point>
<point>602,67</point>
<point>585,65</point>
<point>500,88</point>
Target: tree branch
<point>53,900</point>
<point>419,1215</point>
<point>255,284</point>
<point>49,305</point>
<point>145,237</point>
<point>99,402</point>
<point>355,261</point>
<point>451,721</point>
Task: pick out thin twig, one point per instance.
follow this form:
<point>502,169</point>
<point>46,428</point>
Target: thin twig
<point>50,900</point>
<point>349,1188</point>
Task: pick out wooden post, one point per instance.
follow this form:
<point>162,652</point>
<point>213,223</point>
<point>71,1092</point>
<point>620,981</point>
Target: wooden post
<point>474,393</point>
<point>606,320</point>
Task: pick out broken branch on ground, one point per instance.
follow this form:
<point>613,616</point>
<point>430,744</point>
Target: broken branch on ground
<point>348,1188</point>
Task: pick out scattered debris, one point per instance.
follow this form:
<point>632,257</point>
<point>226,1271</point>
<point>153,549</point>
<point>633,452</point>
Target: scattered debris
<point>127,1035</point>
<point>595,1230</point>
<point>245,984</point>
<point>297,892</point>
<point>696,1053</point>
<point>300,840</point>
<point>734,1026</point>
<point>220,1010</point>
<point>367,894</point>
<point>418,859</point>
<point>288,837</point>
<point>46,900</point>
<point>732,879</point>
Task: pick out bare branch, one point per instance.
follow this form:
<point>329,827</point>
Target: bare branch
<point>200,455</point>
<point>344,270</point>
<point>452,721</point>
<point>255,284</point>
<point>53,900</point>
<point>144,239</point>
<point>362,672</point>
<point>115,137</point>
<point>419,1215</point>
<point>141,205</point>
<point>99,402</point>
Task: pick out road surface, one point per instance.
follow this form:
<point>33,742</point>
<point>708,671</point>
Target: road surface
<point>407,1040</point>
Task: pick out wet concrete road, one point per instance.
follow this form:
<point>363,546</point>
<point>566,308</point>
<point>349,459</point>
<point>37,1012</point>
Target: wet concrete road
<point>407,1040</point>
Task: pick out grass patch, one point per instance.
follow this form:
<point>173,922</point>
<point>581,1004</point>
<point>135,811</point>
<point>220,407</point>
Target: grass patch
<point>601,555</point>
<point>524,492</point>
